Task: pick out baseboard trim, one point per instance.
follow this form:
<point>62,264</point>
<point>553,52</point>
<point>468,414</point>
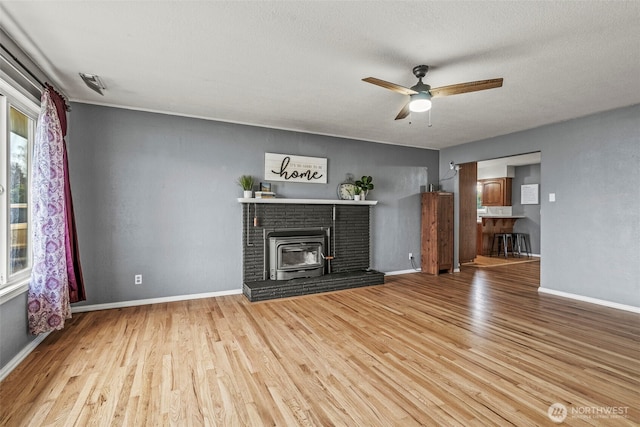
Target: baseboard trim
<point>394,273</point>
<point>597,301</point>
<point>18,358</point>
<point>133,303</point>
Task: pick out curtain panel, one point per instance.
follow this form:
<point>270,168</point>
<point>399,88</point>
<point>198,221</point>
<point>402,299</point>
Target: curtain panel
<point>74,268</point>
<point>56,277</point>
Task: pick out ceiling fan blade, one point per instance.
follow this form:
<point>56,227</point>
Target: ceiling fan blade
<point>465,87</point>
<point>404,112</point>
<point>391,86</point>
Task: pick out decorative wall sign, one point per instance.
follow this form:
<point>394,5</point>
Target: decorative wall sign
<point>529,194</point>
<point>285,167</point>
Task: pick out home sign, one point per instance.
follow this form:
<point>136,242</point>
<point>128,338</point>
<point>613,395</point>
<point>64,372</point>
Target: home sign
<point>285,167</point>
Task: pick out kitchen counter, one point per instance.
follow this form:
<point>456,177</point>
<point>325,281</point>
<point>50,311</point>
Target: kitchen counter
<point>488,225</point>
<point>484,218</point>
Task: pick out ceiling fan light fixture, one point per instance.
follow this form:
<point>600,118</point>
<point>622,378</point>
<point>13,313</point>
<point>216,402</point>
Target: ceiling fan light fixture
<point>420,102</point>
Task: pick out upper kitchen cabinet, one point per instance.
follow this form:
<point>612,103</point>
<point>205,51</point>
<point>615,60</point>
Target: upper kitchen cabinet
<point>496,191</point>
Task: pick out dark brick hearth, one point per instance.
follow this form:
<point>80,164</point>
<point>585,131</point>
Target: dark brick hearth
<point>351,249</point>
<point>270,289</point>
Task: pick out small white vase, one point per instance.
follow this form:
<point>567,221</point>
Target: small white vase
<point>356,197</point>
<point>363,196</point>
<point>248,194</point>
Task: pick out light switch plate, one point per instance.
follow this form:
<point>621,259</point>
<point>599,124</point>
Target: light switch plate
<point>552,197</point>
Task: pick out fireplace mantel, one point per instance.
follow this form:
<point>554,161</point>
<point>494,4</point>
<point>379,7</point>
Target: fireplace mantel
<point>309,201</point>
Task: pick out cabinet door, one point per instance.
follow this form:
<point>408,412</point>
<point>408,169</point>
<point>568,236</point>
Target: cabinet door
<point>437,232</point>
<point>496,192</point>
<point>429,226</point>
<point>492,192</point>
<point>506,192</point>
<point>445,232</point>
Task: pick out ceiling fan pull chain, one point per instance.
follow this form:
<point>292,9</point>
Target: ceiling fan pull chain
<point>429,118</point>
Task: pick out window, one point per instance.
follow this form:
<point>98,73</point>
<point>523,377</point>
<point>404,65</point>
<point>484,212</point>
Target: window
<point>18,115</point>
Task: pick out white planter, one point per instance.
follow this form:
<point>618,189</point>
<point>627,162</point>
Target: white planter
<point>363,196</point>
<point>248,194</point>
<point>356,197</point>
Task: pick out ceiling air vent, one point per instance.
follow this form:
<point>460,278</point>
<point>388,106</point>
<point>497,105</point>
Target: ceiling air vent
<point>93,82</point>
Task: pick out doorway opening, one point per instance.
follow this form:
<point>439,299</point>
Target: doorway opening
<point>507,179</point>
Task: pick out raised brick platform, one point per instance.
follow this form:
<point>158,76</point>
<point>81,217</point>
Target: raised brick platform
<point>271,289</point>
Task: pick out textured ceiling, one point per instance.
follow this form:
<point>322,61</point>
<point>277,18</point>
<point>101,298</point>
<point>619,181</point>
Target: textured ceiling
<point>299,65</point>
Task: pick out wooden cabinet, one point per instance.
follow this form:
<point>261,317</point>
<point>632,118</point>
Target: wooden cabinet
<point>437,232</point>
<point>496,191</point>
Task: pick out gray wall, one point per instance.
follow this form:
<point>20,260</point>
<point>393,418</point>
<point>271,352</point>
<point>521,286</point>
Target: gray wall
<point>156,195</point>
<point>14,330</point>
<point>590,237</point>
<point>529,174</point>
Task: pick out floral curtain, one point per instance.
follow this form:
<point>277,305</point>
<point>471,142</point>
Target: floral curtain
<point>53,277</point>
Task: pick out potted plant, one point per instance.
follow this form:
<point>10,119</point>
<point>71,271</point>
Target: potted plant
<point>357,193</point>
<point>246,182</point>
<point>365,184</point>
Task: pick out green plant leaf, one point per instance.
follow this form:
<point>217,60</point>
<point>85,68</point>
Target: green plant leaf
<point>246,182</point>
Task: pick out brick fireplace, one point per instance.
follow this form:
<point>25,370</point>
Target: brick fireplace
<point>344,226</point>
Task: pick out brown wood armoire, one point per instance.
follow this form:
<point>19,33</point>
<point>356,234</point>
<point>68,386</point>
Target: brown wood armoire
<point>437,233</point>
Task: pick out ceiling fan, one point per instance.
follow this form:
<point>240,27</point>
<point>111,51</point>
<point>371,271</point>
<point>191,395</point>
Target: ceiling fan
<point>420,94</point>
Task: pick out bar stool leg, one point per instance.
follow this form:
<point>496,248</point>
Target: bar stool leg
<point>527,245</point>
<point>522,240</point>
<point>517,244</point>
<point>505,242</point>
<point>493,242</point>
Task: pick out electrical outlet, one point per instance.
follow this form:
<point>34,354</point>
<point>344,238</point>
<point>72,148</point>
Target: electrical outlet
<point>410,255</point>
<point>137,279</point>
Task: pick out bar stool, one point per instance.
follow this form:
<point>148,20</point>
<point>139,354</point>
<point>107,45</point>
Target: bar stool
<point>504,239</point>
<point>521,241</point>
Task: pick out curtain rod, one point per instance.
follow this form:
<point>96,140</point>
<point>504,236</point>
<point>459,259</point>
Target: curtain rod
<point>33,76</point>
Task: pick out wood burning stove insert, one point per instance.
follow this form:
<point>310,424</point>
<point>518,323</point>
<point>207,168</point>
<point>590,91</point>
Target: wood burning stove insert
<point>293,253</point>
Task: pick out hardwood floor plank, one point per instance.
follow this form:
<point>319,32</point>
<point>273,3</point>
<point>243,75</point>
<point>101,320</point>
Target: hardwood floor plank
<point>479,347</point>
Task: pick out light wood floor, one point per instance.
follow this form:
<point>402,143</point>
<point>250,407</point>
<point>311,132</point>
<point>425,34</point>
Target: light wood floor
<point>480,347</point>
<point>481,261</point>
